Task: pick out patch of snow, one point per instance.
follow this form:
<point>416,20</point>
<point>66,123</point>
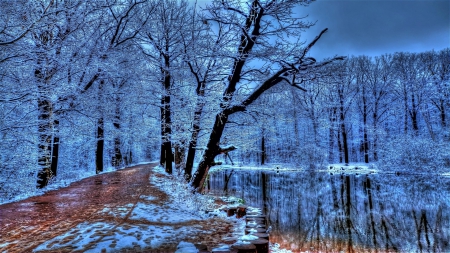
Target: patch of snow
<point>248,237</point>
<point>95,237</point>
<point>351,168</point>
<point>242,242</point>
<point>252,230</point>
<point>160,169</point>
<point>275,248</point>
<point>182,194</point>
<point>186,247</point>
<point>269,167</point>
<point>148,198</point>
<point>254,210</point>
<point>142,163</point>
<point>3,245</point>
<point>155,213</point>
<point>118,211</point>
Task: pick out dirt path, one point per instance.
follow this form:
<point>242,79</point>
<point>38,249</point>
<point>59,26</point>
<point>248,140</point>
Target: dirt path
<point>120,211</point>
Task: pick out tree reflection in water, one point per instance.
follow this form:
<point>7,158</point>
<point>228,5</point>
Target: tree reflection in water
<point>351,213</point>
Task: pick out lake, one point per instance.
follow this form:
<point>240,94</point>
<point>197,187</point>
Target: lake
<point>330,212</point>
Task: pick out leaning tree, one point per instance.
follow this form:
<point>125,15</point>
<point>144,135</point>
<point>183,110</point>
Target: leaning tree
<point>268,52</point>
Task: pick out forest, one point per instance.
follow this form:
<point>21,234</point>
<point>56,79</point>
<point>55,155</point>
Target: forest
<point>92,86</point>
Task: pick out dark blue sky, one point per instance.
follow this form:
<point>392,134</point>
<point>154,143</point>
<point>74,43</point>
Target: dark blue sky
<point>375,27</point>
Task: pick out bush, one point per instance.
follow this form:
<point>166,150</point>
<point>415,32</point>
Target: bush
<point>416,154</point>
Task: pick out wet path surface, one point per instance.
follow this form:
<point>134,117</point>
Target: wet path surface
<point>120,211</point>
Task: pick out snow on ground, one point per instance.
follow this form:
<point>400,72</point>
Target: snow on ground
<point>274,167</point>
<point>93,237</point>
<point>181,192</point>
<point>351,168</point>
<point>275,248</point>
<point>186,247</point>
<point>176,215</point>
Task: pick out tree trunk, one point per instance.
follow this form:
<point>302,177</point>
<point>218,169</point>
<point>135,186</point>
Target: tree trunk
<point>212,150</point>
<point>128,158</point>
<point>375,129</point>
<point>332,135</point>
<point>365,137</point>
<point>166,120</point>
<point>331,145</point>
<point>44,146</point>
<point>406,111</point>
<point>166,152</point>
<point>117,159</point>
<point>55,149</point>
<point>343,129</point>
<point>100,146</point>
<point>366,145</point>
<point>345,142</point>
<point>162,157</point>
<point>100,132</point>
<point>295,121</point>
<point>195,131</point>
<point>263,149</point>
<point>180,151</point>
<point>442,113</point>
<point>339,143</point>
<point>413,114</point>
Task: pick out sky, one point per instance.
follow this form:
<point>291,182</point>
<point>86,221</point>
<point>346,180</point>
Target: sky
<point>376,27</point>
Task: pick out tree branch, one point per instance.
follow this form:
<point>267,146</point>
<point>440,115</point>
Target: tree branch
<point>4,43</point>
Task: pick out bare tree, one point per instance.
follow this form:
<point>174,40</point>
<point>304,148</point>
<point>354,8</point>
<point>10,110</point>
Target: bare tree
<point>256,23</point>
<point>204,47</point>
<point>437,65</point>
<point>162,43</point>
<point>123,23</point>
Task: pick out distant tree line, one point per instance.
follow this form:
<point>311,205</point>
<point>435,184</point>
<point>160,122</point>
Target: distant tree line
<point>392,110</point>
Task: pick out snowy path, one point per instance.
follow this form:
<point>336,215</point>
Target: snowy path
<point>120,211</point>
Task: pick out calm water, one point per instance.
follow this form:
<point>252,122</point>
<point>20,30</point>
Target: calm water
<point>350,213</point>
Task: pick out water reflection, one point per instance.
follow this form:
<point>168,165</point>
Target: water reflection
<point>351,213</point>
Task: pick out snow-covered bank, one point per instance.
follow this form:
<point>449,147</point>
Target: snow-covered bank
<point>362,168</point>
<point>334,168</point>
<point>351,168</point>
